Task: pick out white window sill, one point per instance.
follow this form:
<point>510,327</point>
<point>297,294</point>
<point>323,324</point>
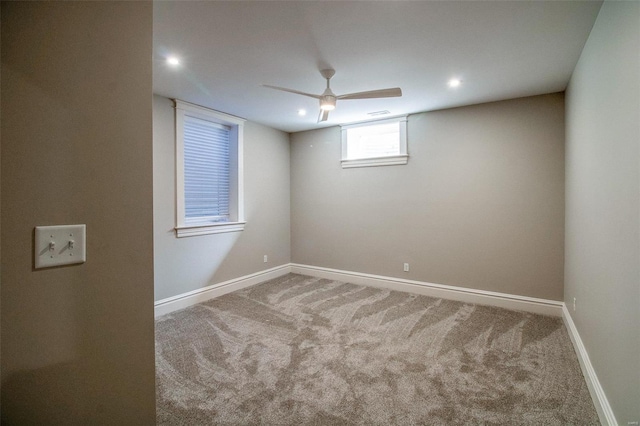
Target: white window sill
<point>373,162</point>
<point>210,228</point>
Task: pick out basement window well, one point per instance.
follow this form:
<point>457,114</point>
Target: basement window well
<point>375,143</point>
<point>209,185</point>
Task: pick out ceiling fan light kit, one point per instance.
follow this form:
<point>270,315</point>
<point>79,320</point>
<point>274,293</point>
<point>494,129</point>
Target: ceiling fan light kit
<point>327,102</point>
<point>328,99</point>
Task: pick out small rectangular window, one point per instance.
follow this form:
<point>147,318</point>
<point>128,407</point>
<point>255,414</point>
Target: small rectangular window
<point>209,171</point>
<point>376,143</point>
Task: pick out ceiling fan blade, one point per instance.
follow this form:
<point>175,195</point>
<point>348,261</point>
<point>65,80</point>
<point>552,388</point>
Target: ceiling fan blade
<point>324,115</point>
<point>297,92</point>
<point>382,93</point>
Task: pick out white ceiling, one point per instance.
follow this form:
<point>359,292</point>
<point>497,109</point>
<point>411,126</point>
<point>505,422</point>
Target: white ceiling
<point>500,50</point>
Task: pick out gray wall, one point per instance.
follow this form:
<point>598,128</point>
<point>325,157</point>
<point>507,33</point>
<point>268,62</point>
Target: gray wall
<point>602,258</point>
<point>480,204</point>
<point>77,341</point>
<point>185,264</point>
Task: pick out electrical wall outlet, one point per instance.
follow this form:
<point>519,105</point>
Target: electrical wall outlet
<point>406,267</point>
<point>266,259</point>
<point>59,245</point>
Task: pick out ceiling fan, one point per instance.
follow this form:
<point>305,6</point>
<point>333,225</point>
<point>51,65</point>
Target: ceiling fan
<point>328,99</point>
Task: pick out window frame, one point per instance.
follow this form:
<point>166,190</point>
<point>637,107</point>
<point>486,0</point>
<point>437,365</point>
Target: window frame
<point>390,160</point>
<point>187,228</point>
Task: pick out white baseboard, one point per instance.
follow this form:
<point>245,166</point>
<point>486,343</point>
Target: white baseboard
<point>200,295</point>
<point>468,295</point>
<point>605,413</point>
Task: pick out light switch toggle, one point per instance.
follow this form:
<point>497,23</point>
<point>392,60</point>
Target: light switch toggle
<point>59,245</point>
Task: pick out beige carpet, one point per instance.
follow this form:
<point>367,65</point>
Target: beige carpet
<point>302,350</point>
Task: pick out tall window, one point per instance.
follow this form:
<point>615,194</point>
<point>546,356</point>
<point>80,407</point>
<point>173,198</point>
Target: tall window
<point>209,171</point>
<point>375,143</point>
<point>206,171</point>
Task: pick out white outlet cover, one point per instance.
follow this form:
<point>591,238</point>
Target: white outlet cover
<point>60,245</point>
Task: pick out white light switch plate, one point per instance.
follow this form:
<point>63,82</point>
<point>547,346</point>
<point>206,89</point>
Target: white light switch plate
<point>60,245</point>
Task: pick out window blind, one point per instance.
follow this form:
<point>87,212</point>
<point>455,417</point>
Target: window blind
<point>206,170</point>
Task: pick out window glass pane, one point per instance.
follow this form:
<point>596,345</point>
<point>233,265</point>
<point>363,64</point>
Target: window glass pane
<point>206,170</point>
<point>380,140</point>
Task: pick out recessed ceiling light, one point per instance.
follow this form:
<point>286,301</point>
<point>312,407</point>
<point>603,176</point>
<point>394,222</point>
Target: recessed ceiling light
<point>455,82</point>
<point>173,61</point>
<point>302,112</point>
